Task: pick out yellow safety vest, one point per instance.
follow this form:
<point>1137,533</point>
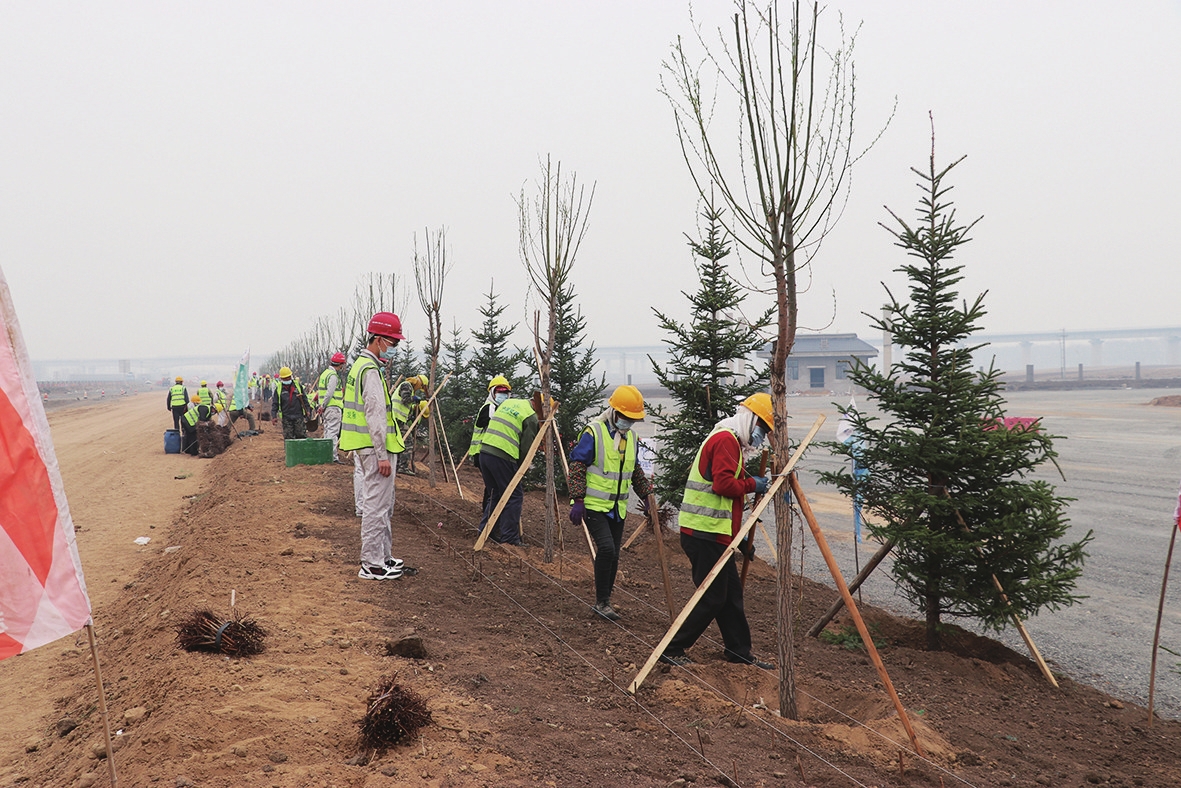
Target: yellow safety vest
<point>337,393</point>
<point>191,417</point>
<point>176,395</point>
<point>702,509</point>
<point>354,430</point>
<point>478,432</point>
<point>206,395</point>
<point>505,426</point>
<point>608,479</point>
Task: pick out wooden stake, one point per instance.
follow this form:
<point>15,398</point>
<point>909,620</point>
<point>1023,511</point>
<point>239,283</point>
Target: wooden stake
<point>635,533</point>
<point>654,516</point>
<point>566,469</point>
<point>721,563</point>
<point>1164,584</point>
<point>102,703</point>
<point>451,458</point>
<point>767,539</point>
<point>865,572</point>
<point>822,543</point>
<point>512,485</point>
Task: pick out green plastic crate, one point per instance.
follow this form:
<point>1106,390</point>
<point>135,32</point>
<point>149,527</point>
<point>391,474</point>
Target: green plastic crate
<point>308,451</point>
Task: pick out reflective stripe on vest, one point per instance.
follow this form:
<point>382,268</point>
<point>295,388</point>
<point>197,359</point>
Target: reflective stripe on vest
<point>354,429</point>
<point>478,431</point>
<point>505,426</point>
<point>401,409</point>
<point>176,396</point>
<point>205,395</point>
<point>608,479</point>
<point>703,509</point>
<point>191,417</point>
<point>337,393</point>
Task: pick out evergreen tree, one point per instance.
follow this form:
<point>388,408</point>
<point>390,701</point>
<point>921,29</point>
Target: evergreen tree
<point>492,355</point>
<point>949,485</point>
<point>701,376</point>
<point>572,376</point>
<point>459,401</point>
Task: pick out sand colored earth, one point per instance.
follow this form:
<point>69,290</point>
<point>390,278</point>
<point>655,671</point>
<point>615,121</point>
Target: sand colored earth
<point>524,685</point>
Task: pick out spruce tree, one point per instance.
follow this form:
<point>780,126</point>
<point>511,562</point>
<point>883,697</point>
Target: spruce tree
<point>492,354</point>
<point>700,375</point>
<point>572,375</point>
<point>459,401</point>
<point>947,483</point>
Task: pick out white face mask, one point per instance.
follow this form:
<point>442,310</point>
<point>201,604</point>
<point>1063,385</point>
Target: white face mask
<point>758,435</point>
<point>500,397</point>
<point>622,423</point>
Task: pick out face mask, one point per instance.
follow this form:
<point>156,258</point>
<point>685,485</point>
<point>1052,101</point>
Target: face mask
<point>500,398</point>
<point>757,436</point>
<point>623,424</point>
<point>389,352</point>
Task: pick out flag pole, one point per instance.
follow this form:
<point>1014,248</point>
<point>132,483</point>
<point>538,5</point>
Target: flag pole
<point>1160,611</point>
<point>102,703</point>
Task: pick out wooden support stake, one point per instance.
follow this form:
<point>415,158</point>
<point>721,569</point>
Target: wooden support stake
<point>865,572</point>
<point>566,469</point>
<point>454,472</point>
<point>767,539</point>
<point>1164,584</point>
<point>866,639</point>
<point>102,704</point>
<point>512,485</point>
<point>635,534</point>
<point>654,516</point>
<point>721,562</point>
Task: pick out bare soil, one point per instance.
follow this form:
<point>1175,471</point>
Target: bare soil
<point>525,686</point>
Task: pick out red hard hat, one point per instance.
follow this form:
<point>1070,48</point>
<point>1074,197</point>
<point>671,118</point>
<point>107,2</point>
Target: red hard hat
<point>386,324</point>
<point>338,358</point>
<point>220,384</point>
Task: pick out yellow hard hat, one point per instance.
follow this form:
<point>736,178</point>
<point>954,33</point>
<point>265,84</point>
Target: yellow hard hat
<point>499,381</point>
<point>179,379</point>
<point>285,372</point>
<point>423,380</point>
<point>217,407</point>
<point>629,401</point>
<point>761,405</point>
<point>195,398</point>
<point>204,383</point>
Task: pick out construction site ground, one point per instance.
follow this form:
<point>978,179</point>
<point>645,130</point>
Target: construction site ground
<point>525,685</point>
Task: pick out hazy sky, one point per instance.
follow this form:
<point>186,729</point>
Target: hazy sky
<point>191,178</point>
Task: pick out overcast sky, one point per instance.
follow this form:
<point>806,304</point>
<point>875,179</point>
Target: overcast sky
<point>192,178</point>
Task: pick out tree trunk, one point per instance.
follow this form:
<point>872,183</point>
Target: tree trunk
<point>550,491</point>
<point>430,426</point>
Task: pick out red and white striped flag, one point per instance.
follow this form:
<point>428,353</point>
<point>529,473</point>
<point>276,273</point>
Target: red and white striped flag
<point>42,591</point>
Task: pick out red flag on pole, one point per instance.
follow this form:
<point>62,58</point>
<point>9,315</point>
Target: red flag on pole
<point>42,590</point>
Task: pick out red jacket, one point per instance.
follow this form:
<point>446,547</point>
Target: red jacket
<point>720,458</point>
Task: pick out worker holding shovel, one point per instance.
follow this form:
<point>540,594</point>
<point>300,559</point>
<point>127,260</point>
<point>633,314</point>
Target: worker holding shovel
<point>602,466</point>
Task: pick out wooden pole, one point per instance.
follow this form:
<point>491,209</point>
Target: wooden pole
<point>512,485</point>
<point>429,402</point>
<point>721,562</point>
<point>746,556</point>
<point>451,459</point>
<point>865,572</point>
<point>566,469</point>
<point>1164,584</point>
<point>767,539</point>
<point>102,703</point>
<point>635,534</point>
<point>654,516</point>
<point>866,639</point>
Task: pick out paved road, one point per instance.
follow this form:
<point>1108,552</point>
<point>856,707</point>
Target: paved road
<point>1122,463</point>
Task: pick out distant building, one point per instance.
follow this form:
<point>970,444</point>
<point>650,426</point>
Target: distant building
<point>821,362</point>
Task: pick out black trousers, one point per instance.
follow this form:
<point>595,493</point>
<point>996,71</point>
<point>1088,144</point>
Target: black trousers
<point>721,603</point>
<point>497,473</point>
<point>188,443</point>
<point>178,412</point>
<point>608,535</point>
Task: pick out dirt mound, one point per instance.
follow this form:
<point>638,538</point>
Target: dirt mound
<point>1171,401</point>
<point>524,685</point>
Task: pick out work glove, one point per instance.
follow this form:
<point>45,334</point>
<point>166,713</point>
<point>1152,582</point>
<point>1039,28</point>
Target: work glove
<point>577,512</point>
<point>644,507</point>
<point>761,484</point>
<point>748,548</point>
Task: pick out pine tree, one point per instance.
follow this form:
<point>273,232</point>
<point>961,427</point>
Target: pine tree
<point>492,354</point>
<point>701,375</point>
<point>949,485</point>
<point>572,376</point>
<point>459,401</point>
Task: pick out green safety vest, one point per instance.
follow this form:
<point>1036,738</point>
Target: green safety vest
<point>322,389</point>
<point>505,427</point>
<point>609,478</point>
<point>176,395</point>
<point>191,417</point>
<point>478,432</point>
<point>703,509</point>
<point>222,399</point>
<point>206,395</point>
<point>354,430</point>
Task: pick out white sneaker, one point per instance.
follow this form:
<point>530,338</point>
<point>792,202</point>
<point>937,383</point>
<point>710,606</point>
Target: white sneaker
<point>395,563</point>
<point>378,573</point>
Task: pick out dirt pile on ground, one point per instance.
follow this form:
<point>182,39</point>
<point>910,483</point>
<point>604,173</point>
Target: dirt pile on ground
<point>524,685</point>
<point>1171,401</point>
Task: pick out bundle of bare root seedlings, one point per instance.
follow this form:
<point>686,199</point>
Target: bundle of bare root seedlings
<point>394,713</point>
<point>240,636</point>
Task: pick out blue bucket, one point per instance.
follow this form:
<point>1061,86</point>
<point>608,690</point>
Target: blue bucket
<point>171,442</point>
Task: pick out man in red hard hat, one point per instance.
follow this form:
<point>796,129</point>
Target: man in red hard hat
<point>330,395</point>
<point>369,431</point>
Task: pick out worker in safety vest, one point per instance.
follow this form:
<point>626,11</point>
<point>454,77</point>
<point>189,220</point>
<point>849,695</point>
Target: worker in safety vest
<point>178,401</point>
<point>369,431</point>
<point>602,472</point>
<point>330,395</point>
<point>291,405</point>
<point>503,447</point>
<point>205,395</point>
<point>252,388</point>
<point>499,389</point>
<point>409,400</point>
<point>188,425</point>
<point>711,514</point>
<point>220,397</point>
